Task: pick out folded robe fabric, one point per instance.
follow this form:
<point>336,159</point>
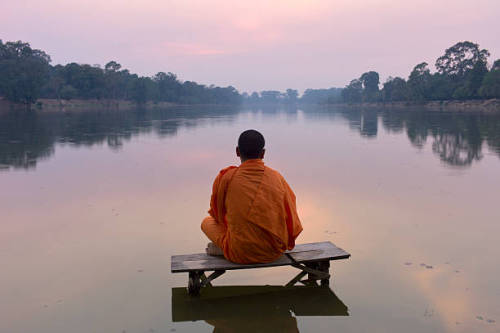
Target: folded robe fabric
<point>258,208</point>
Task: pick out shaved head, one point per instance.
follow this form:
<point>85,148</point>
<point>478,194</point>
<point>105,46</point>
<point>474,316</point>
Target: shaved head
<point>251,144</point>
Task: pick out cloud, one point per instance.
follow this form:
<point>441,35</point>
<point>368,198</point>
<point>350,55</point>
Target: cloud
<point>191,49</point>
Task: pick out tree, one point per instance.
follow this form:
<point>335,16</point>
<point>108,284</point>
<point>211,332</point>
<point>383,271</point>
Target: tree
<point>490,87</point>
<point>140,90</point>
<point>496,65</point>
<point>461,58</point>
<point>88,80</point>
<point>322,96</point>
<point>68,92</point>
<point>291,95</point>
<point>112,78</point>
<point>254,97</point>
<point>353,92</point>
<point>419,82</point>
<point>395,89</point>
<point>23,72</point>
<point>270,96</point>
<point>112,67</point>
<point>473,80</point>
<point>52,88</point>
<point>168,86</point>
<point>370,82</point>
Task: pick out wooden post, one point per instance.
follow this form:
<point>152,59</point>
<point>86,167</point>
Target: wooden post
<point>194,283</point>
<point>311,277</point>
<point>325,267</point>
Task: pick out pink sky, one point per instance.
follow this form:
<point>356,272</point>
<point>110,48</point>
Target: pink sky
<point>253,45</point>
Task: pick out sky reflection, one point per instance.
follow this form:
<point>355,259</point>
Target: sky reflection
<point>86,235</point>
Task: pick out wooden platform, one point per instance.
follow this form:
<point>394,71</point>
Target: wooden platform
<point>312,258</point>
<point>302,253</point>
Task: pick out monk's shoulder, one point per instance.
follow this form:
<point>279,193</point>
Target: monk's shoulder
<point>226,171</point>
<point>275,174</point>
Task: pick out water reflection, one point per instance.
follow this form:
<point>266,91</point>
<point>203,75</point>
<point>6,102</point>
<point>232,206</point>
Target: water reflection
<point>255,308</point>
<point>457,138</point>
<point>27,137</point>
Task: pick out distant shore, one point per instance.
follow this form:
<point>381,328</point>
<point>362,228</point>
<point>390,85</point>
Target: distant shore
<point>489,105</point>
<point>54,105</point>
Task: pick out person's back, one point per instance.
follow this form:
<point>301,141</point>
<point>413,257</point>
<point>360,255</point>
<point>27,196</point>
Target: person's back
<point>253,215</point>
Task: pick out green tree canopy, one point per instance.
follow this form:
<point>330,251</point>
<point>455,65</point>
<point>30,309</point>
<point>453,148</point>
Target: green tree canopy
<point>353,92</point>
<point>23,71</point>
<point>460,58</point>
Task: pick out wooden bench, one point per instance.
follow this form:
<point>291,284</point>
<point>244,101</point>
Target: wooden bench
<point>313,259</point>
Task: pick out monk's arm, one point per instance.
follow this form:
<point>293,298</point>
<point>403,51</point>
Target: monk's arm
<point>293,224</point>
<point>213,198</point>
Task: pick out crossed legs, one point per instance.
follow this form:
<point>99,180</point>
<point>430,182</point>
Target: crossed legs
<point>216,232</point>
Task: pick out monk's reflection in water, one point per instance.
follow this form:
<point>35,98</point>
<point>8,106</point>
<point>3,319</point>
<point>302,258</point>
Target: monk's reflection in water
<point>255,308</point>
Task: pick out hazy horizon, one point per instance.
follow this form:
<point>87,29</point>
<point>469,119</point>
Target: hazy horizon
<point>257,45</point>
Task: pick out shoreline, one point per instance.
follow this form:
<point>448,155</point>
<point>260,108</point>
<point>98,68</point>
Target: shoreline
<point>54,105</point>
<point>81,105</point>
<point>488,105</point>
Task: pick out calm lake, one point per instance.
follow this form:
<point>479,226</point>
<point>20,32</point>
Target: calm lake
<point>93,204</point>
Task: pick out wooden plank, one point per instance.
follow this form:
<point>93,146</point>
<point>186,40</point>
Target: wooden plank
<point>211,263</point>
<point>301,253</point>
<point>317,252</point>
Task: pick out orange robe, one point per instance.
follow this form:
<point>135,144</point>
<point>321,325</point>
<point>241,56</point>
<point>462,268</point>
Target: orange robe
<point>253,215</point>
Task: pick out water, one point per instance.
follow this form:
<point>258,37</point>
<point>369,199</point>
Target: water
<point>93,204</point>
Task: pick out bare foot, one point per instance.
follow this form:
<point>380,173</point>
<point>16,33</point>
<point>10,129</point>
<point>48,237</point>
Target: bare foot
<point>213,250</point>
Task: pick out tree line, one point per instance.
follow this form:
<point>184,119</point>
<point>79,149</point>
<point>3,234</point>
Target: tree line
<point>291,96</point>
<point>462,73</point>
<point>26,75</point>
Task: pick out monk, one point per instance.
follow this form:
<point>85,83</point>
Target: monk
<point>253,215</point>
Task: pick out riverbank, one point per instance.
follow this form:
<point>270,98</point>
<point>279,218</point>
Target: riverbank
<point>54,105</point>
<point>489,105</point>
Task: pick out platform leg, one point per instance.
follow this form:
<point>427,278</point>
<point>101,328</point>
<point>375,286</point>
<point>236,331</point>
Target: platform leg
<point>325,267</point>
<point>194,283</point>
<point>311,277</point>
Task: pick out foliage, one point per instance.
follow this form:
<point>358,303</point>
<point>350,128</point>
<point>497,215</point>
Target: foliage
<point>291,96</point>
<point>370,82</point>
<point>353,93</point>
<point>419,82</point>
<point>322,96</point>
<point>462,73</point>
<point>461,58</point>
<point>23,71</point>
<point>26,75</point>
<point>395,89</point>
<point>490,86</point>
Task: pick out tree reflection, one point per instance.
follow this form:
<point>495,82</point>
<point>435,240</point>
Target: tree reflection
<point>24,139</point>
<point>363,121</point>
<point>457,138</point>
<point>369,124</point>
<point>27,137</point>
<point>455,150</point>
